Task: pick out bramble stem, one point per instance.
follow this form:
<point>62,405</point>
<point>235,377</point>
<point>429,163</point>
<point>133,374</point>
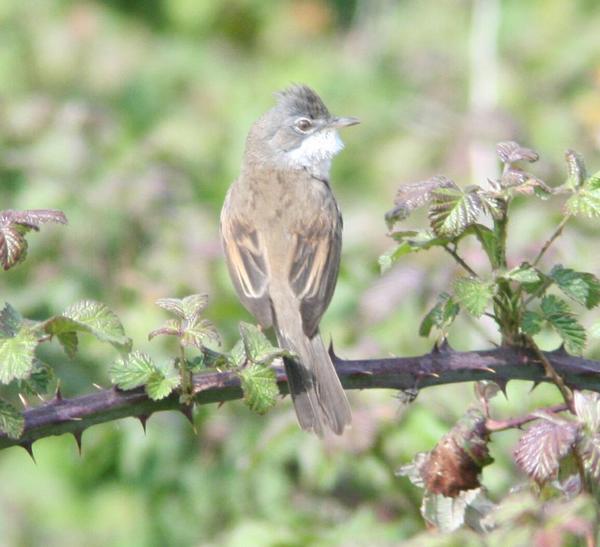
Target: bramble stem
<point>551,239</point>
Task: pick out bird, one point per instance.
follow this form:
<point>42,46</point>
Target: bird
<point>281,232</point>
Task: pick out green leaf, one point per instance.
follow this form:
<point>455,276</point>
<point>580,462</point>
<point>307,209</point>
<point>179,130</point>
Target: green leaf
<point>16,355</point>
<point>525,273</point>
<point>198,332</point>
<point>576,170</point>
<point>12,422</point>
<point>453,210</point>
<point>132,371</point>
<point>532,322</point>
<point>10,321</point>
<point>582,287</point>
<point>440,316</point>
<point>589,450</point>
<point>237,355</point>
<point>171,327</point>
<point>448,514</point>
<point>69,343</point>
<point>39,380</point>
<point>489,242</point>
<point>473,294</point>
<point>162,382</point>
<point>258,348</point>
<point>586,201</point>
<point>259,384</point>
<point>494,204</point>
<point>94,318</point>
<point>558,314</point>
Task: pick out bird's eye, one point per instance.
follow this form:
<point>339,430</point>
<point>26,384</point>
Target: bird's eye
<point>303,124</point>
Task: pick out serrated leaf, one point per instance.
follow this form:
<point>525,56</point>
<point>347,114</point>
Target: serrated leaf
<point>440,316</point>
<point>69,342</point>
<point>494,204</point>
<point>582,287</point>
<point>587,408</point>
<point>558,314</point>
<point>161,383</point>
<point>259,384</point>
<point>10,321</point>
<point>414,195</point>
<point>132,371</point>
<point>237,355</point>
<point>531,322</point>
<point>473,294</point>
<point>198,333</point>
<point>489,242</point>
<point>410,241</point>
<point>452,210</point>
<point>13,245</point>
<point>525,273</point>
<point>12,422</point>
<point>511,151</point>
<point>193,305</point>
<point>541,448</point>
<point>39,380</point>
<point>171,327</point>
<point>586,201</point>
<point>16,355</point>
<point>576,170</point>
<point>258,348</point>
<point>172,305</point>
<point>14,225</point>
<point>97,319</point>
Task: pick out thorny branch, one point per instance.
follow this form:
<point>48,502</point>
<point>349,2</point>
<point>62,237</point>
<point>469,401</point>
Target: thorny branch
<point>442,366</point>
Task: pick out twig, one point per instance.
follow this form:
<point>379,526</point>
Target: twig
<point>460,261</point>
<point>494,426</point>
<point>551,239</point>
<point>552,374</point>
<point>441,366</point>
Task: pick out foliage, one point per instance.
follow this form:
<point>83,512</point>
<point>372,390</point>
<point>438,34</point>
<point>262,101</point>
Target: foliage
<point>561,455</point>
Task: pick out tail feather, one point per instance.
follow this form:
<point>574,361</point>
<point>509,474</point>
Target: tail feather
<point>318,395</point>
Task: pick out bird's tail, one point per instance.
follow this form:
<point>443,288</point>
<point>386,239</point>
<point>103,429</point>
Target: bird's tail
<point>316,390</point>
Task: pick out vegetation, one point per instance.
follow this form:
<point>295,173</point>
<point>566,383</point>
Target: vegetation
<point>131,120</point>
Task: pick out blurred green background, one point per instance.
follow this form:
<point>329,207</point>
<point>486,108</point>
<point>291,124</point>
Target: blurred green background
<point>131,117</point>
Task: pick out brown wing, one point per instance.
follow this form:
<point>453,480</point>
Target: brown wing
<point>246,264</point>
<point>315,265</point>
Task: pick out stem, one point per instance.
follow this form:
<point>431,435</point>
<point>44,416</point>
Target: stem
<point>187,385</point>
<point>551,239</point>
<point>440,367</point>
<point>552,374</point>
<point>494,426</point>
<point>460,261</point>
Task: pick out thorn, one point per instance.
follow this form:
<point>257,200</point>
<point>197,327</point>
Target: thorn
<point>186,410</point>
<point>560,350</point>
<point>502,383</point>
<point>331,351</point>
<point>58,393</point>
<point>221,403</point>
<point>23,401</point>
<point>486,369</point>
<point>364,372</point>
<point>97,386</point>
<point>421,374</point>
<point>535,384</point>
<point>40,398</point>
<point>442,347</point>
<point>28,445</point>
<point>78,435</point>
<point>143,418</point>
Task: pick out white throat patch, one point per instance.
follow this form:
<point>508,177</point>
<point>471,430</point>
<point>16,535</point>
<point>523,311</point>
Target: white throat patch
<point>317,150</point>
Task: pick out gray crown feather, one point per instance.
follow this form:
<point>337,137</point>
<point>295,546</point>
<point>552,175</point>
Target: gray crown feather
<point>301,100</point>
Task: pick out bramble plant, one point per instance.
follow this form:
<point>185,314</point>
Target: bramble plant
<point>560,451</point>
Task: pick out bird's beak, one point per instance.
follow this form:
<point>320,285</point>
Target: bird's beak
<point>343,122</point>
